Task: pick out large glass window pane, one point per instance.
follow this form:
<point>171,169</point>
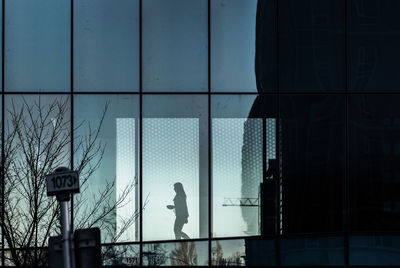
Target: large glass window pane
<point>175,167</point>
<point>37,45</point>
<point>189,253</point>
<point>374,155</point>
<point>243,252</point>
<point>233,45</point>
<point>374,39</point>
<point>175,46</point>
<point>311,45</point>
<point>228,253</point>
<point>29,258</point>
<point>260,252</point>
<point>120,255</point>
<point>237,160</point>
<point>374,250</point>
<point>8,261</point>
<point>106,45</point>
<point>312,251</point>
<point>313,148</point>
<point>265,43</point>
<point>37,141</point>
<point>107,158</point>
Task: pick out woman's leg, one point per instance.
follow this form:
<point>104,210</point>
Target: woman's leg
<point>178,227</point>
<point>179,222</point>
<point>184,235</point>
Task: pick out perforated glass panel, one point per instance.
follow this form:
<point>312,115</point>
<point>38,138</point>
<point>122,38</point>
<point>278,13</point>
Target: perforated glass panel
<point>175,182</point>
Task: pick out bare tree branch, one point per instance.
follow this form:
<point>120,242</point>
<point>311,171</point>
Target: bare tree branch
<point>37,141</point>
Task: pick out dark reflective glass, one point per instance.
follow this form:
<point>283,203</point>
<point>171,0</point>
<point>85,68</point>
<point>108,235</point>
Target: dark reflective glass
<point>233,45</point>
<point>311,45</point>
<point>175,45</point>
<point>374,250</point>
<point>1,129</point>
<point>313,148</point>
<point>37,45</point>
<point>188,253</point>
<point>374,155</point>
<point>373,48</point>
<point>266,52</point>
<point>260,252</point>
<point>120,255</point>
<point>312,251</point>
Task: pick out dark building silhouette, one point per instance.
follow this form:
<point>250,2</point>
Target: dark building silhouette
<point>333,66</point>
<point>291,105</point>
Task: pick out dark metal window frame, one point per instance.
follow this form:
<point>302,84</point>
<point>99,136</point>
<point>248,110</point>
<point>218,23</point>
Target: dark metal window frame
<point>277,237</point>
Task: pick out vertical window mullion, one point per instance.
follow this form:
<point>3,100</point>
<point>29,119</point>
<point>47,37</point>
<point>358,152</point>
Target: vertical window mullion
<point>140,137</point>
<point>2,130</point>
<point>346,174</point>
<point>209,135</point>
<point>278,227</point>
<point>71,96</point>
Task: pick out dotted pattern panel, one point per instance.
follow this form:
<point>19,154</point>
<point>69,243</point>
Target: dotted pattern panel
<point>170,155</point>
<point>252,169</point>
<point>271,138</point>
<point>126,173</point>
<point>227,142</point>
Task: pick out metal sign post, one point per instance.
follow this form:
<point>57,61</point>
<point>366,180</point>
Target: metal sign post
<point>62,183</point>
<point>65,231</point>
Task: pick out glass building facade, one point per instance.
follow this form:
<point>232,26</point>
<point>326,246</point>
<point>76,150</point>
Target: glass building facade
<point>277,118</point>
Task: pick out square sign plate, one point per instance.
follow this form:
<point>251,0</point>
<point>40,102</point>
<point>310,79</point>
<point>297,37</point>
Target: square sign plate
<point>62,183</point>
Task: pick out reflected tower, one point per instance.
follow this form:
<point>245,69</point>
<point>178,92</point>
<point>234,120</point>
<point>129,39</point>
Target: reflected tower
<point>256,150</point>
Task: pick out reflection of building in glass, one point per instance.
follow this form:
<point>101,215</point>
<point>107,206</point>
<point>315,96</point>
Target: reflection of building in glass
<point>279,117</point>
<point>252,170</point>
<point>259,147</point>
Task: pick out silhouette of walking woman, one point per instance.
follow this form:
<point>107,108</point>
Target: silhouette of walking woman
<point>181,211</point>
